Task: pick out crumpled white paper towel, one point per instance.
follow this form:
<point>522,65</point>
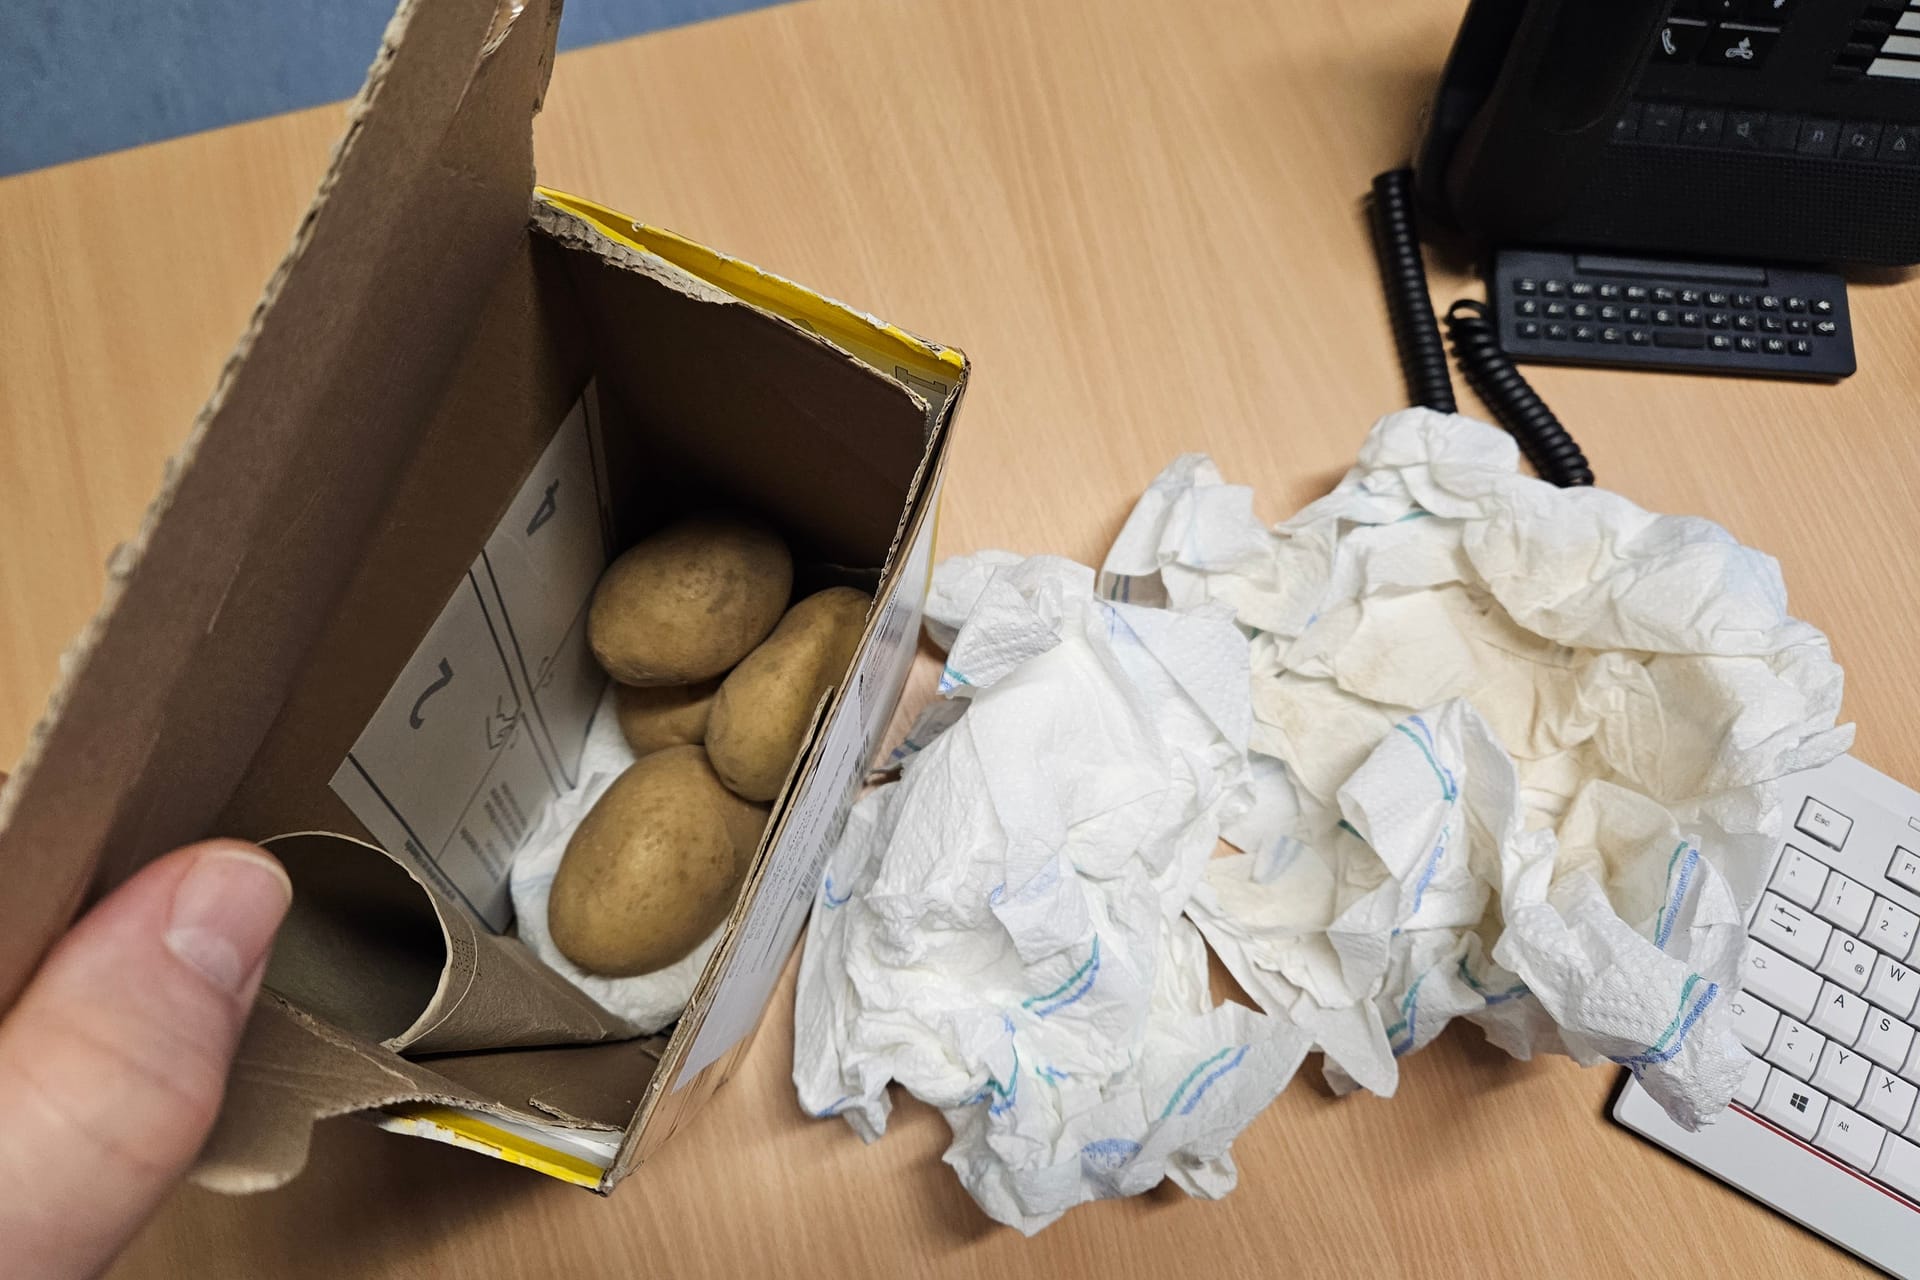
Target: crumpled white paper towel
<point>1522,740</point>
<point>650,1000</point>
<point>1001,930</point>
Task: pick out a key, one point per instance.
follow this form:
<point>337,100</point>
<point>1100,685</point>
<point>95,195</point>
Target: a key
<point>1904,870</point>
<point>1800,877</point>
<point>1748,1092</point>
<point>1899,1167</point>
<point>1893,986</point>
<point>1850,1136</point>
<point>1789,987</point>
<point>1754,1019</point>
<point>1886,1039</point>
<point>1795,1047</point>
<point>1890,927</point>
<point>1824,823</point>
<point>1842,1074</point>
<point>1911,1072</point>
<point>1888,1098</point>
<point>1794,1106</point>
<point>1844,903</point>
<point>1848,961</point>
<point>1840,1013</point>
<point>1795,931</point>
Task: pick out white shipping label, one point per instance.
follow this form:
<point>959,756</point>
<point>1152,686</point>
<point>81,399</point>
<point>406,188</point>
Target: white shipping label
<point>765,938</point>
<point>483,729</point>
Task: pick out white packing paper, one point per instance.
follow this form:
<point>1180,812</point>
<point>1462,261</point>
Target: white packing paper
<point>1515,748</point>
<point>1001,930</point>
<point>650,1000</point>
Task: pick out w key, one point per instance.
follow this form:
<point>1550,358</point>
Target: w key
<point>1792,930</point>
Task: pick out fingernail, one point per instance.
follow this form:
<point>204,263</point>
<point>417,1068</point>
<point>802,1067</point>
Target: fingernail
<point>225,913</point>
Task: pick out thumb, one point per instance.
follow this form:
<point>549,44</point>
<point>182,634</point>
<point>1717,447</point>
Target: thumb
<point>114,1060</point>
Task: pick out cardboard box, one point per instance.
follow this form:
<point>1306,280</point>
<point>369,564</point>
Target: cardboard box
<point>355,613</point>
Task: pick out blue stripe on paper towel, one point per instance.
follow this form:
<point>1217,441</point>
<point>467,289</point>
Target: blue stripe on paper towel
<point>83,77</point>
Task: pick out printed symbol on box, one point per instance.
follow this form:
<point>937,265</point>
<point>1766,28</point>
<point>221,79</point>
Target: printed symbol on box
<point>545,511</point>
<point>508,720</point>
<point>1742,51</point>
<point>1798,1102</point>
<point>414,718</point>
<point>1666,41</point>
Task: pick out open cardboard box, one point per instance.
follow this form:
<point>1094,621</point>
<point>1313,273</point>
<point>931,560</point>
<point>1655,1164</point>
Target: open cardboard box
<point>354,615</point>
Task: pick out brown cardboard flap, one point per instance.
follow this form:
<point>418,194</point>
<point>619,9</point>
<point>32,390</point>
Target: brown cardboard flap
<point>292,1071</point>
<point>376,950</point>
<point>209,610</point>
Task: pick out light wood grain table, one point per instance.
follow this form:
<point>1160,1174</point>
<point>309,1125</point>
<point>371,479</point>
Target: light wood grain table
<point>1141,218</point>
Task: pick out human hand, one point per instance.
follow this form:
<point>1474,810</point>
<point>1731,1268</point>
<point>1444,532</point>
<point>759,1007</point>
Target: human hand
<point>113,1063</point>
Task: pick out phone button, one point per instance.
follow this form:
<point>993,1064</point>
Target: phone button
<point>1679,40</point>
<point>1819,137</point>
<point>1660,122</point>
<point>1738,47</point>
<point>1745,129</point>
<point>1900,143</point>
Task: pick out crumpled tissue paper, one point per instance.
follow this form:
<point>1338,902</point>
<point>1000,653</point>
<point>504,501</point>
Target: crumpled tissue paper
<point>1515,748</point>
<point>1001,931</point>
<point>650,1001</point>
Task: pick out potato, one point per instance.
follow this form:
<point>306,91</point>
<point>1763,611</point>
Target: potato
<point>765,703</point>
<point>664,715</point>
<point>689,602</point>
<point>653,867</point>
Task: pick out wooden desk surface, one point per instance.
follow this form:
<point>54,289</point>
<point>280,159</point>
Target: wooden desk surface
<point>1141,219</point>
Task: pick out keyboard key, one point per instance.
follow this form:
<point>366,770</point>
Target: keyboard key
<point>1801,327</point>
<point>1662,294</point>
<point>1823,306</point>
<point>1555,311</point>
<point>1639,337</point>
<point>1554,288</point>
<point>1796,304</point>
<point>1885,1039</point>
<point>1527,329</point>
<point>1796,1047</point>
<point>1719,320</point>
<point>1898,1166</point>
<point>1754,1020</point>
<point>1741,47</point>
<point>1802,878</point>
<point>1580,289</point>
<point>1611,334</point>
<point>1665,315</point>
<point>1825,328</point>
<point>1526,307</point>
<point>1840,1013</point>
<point>1691,320</point>
<point>1719,342</point>
<point>1851,1137</point>
<point>1609,293</point>
<point>1770,302</point>
<point>1556,333</point>
<point>1774,346</point>
<point>1904,870</point>
<point>1691,297</point>
<point>1890,927</point>
<point>1844,903</point>
<point>1893,986</point>
<point>1800,347</point>
<point>1888,1098</point>
<point>1788,987</point>
<point>1793,930</point>
<point>1526,285</point>
<point>1911,1072</point>
<point>1610,312</point>
<point>1637,293</point>
<point>1701,127</point>
<point>1848,961</point>
<point>1826,824</point>
<point>1744,301</point>
<point>1842,1074</point>
<point>1747,1094</point>
<point>1818,137</point>
<point>1585,333</point>
<point>1798,1108</point>
<point>1746,324</point>
<point>1688,339</point>
<point>1746,346</point>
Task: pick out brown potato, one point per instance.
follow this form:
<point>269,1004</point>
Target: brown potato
<point>665,715</point>
<point>653,868</point>
<point>689,602</point>
<point>764,705</point>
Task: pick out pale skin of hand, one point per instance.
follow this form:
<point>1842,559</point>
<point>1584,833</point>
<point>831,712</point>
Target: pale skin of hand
<point>115,1057</point>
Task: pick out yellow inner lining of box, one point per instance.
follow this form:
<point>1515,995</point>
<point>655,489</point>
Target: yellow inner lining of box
<point>835,321</point>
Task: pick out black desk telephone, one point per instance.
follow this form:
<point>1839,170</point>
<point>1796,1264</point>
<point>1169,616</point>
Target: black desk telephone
<point>1661,183</point>
<point>1753,130</point>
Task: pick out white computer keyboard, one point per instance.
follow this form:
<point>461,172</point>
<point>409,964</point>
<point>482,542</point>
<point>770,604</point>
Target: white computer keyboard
<point>1825,1128</point>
